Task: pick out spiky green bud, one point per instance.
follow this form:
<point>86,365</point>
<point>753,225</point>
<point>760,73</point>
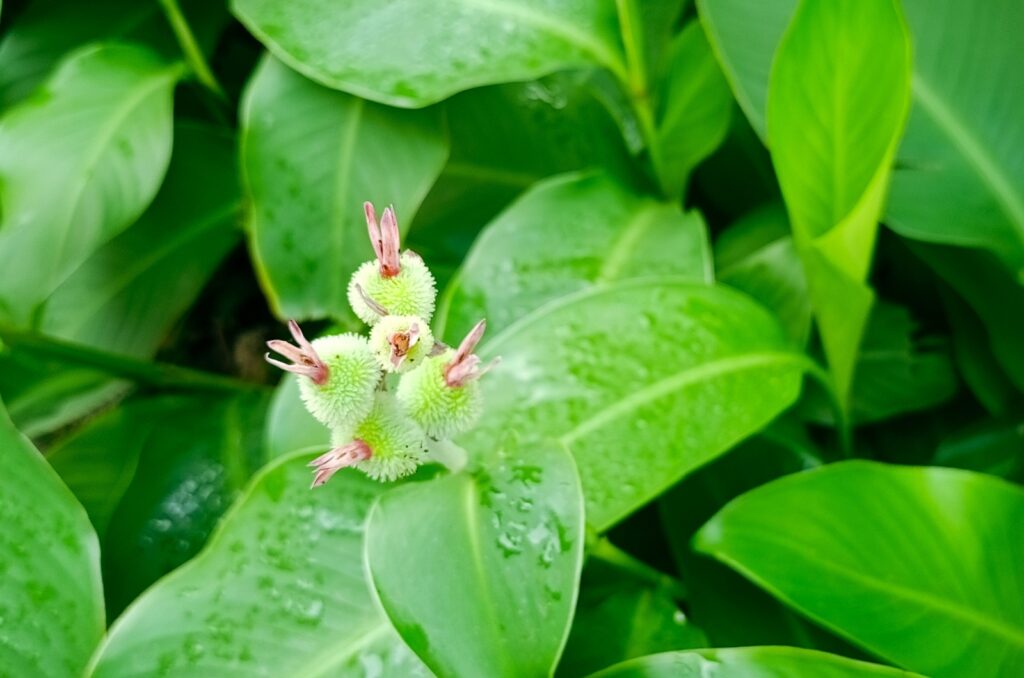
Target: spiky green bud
<point>440,409</point>
<point>411,291</point>
<point>346,395</point>
<point>396,445</point>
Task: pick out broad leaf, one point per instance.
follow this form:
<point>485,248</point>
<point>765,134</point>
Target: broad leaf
<point>838,99</point>
<point>48,29</point>
<point>479,571</point>
<point>79,162</point>
<point>606,233</point>
<point>279,589</point>
<point>918,565</point>
<point>51,598</point>
<point>310,157</point>
<point>644,381</point>
<point>748,662</point>
<point>289,425</point>
<point>756,255</point>
<point>990,446</point>
<point>406,53</point>
<point>694,110</point>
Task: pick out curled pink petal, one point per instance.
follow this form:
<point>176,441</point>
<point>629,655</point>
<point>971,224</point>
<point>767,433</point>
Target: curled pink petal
<point>464,365</point>
<point>304,359</point>
<point>402,343</point>
<point>385,239</point>
<point>334,460</point>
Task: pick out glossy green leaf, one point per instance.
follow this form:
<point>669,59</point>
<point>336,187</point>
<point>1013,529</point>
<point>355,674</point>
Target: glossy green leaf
<point>838,99</point>
<point>504,139</point>
<point>279,589</point>
<point>644,381</point>
<point>961,175</point>
<point>695,110</point>
<point>756,255</point>
<point>608,233</point>
<point>310,157</point>
<point>289,425</point>
<point>45,30</point>
<point>620,616</point>
<point>405,53</point>
<point>479,571</point>
<point>79,162</point>
<point>748,662</point>
<point>918,565</point>
<point>51,597</point>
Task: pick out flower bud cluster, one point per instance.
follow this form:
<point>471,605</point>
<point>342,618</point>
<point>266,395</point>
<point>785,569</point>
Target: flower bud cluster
<point>343,378</point>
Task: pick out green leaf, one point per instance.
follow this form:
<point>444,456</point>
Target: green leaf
<point>959,176</point>
<point>310,157</point>
<point>990,446</point>
<point>405,53</point>
<point>838,99</point>
<point>756,255</point>
<point>620,616</point>
<point>644,381</point>
<point>975,362</point>
<point>505,138</point>
<point>694,112</point>
<point>918,565</point>
<point>51,597</point>
<point>498,551</point>
<point>897,372</point>
<point>278,589</point>
<point>289,425</point>
<point>607,233</point>
<point>747,662</point>
<point>127,295</point>
<point>46,30</point>
<point>79,162</point>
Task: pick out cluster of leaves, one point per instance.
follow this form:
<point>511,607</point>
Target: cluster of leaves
<point>801,442</point>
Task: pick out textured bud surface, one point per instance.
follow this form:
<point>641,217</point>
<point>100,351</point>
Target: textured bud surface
<point>441,410</point>
<point>411,292</point>
<point>401,342</point>
<point>396,443</point>
<point>353,374</point>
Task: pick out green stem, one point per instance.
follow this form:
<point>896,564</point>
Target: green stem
<point>820,375</point>
<point>152,374</point>
<point>610,553</point>
<point>193,55</point>
<point>636,83</point>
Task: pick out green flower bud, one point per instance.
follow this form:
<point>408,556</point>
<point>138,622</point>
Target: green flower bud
<point>345,396</point>
<point>386,445</point>
<point>401,342</point>
<point>441,410</point>
<point>409,292</point>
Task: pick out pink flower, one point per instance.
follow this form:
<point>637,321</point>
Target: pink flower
<point>403,342</point>
<point>304,359</point>
<point>385,240</point>
<point>464,365</point>
<point>328,464</point>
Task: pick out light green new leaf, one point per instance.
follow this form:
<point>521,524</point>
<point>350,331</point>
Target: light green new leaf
<point>479,571</point>
<point>921,566</point>
<point>51,598</point>
<point>410,53</point>
<point>838,99</point>
<point>748,662</point>
<point>694,112</point>
<point>310,158</point>
<point>606,233</point>
<point>278,590</point>
<point>644,381</point>
<point>79,162</point>
<point>959,179</point>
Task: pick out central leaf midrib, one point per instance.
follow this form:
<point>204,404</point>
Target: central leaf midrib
<point>346,157</point>
<point>676,382</point>
<point>962,138</point>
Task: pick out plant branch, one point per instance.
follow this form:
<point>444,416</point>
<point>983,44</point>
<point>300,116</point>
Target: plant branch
<point>150,373</point>
<point>187,41</point>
